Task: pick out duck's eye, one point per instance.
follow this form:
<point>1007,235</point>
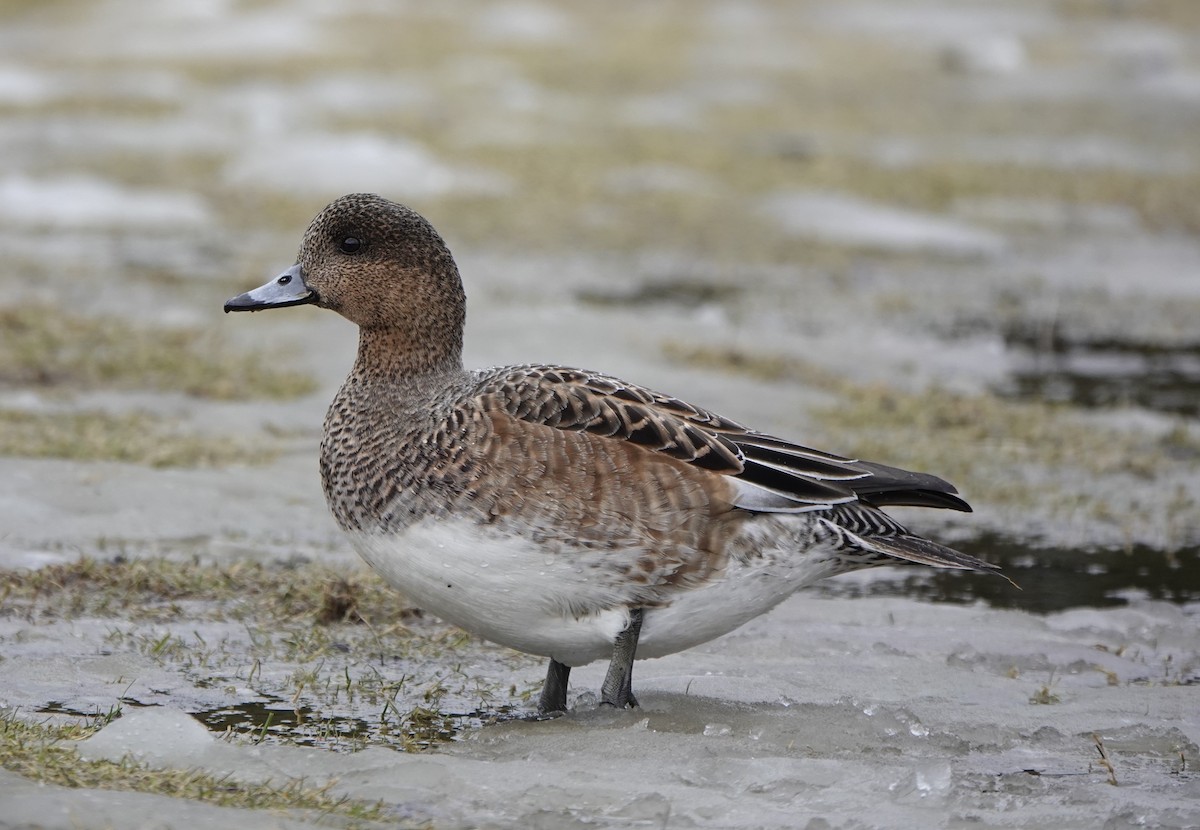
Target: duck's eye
<point>351,245</point>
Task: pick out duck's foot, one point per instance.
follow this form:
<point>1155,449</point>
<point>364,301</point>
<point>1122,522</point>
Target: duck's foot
<point>554,691</point>
<point>618,683</point>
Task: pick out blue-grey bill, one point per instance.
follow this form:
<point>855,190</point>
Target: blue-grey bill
<point>285,290</point>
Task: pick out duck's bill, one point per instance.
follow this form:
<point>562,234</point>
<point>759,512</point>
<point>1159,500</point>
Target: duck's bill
<point>287,289</point>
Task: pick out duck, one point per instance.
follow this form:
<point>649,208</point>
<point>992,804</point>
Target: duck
<point>559,511</point>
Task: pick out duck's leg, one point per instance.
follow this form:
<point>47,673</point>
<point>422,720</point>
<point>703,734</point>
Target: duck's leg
<point>554,691</point>
<point>618,683</point>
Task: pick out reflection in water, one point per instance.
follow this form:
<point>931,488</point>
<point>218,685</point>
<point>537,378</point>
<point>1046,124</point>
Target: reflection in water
<point>1050,579</point>
<point>1105,373</point>
<point>277,721</point>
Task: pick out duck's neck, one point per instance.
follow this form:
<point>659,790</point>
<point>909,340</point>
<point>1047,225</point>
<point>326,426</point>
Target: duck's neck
<point>397,354</point>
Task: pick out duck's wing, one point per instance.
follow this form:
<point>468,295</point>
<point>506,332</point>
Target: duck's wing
<point>769,474</point>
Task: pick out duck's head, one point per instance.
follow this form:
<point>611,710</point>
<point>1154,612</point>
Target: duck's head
<point>378,264</point>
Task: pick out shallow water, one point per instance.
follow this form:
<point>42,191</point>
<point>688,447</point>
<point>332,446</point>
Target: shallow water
<point>1105,373</point>
<point>1047,579</point>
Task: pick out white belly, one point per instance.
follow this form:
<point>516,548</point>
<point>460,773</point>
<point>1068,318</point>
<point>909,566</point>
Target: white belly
<point>569,605</point>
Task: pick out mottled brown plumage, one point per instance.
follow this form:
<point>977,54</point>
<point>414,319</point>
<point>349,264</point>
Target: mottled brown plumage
<point>557,510</point>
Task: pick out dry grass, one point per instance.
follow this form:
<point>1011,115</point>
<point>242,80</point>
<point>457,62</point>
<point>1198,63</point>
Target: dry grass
<point>44,753</point>
<point>133,437</point>
<point>152,589</point>
<point>41,346</point>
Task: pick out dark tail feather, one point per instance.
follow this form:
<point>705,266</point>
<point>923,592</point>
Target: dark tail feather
<point>916,498</point>
<point>924,552</point>
<point>893,486</point>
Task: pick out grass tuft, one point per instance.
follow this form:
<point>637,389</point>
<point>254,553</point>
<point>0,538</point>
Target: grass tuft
<point>133,437</point>
<point>152,588</point>
<point>40,346</point>
<point>43,752</point>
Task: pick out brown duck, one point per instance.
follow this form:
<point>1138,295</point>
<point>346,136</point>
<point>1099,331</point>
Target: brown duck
<point>559,511</point>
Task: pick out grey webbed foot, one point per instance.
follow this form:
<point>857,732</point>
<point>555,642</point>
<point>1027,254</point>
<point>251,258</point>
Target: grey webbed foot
<point>554,691</point>
<point>618,683</point>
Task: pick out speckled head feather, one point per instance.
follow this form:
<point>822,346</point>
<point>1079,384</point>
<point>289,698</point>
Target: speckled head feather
<point>383,266</point>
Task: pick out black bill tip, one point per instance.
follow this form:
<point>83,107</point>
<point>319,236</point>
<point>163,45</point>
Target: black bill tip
<point>247,302</point>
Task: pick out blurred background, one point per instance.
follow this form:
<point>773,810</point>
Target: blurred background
<point>957,237</point>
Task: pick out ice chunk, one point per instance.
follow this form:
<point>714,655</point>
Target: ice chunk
<point>930,779</point>
<point>157,735</point>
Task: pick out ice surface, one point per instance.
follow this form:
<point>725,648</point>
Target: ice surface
<point>200,30</point>
<point>523,21</point>
<point>869,713</point>
<point>1048,214</point>
<point>852,221</point>
<point>31,805</point>
<point>665,110</point>
<point>997,54</point>
<point>658,178</point>
<point>936,22</point>
<point>1179,85</point>
<point>82,201</point>
<point>19,85</point>
<point>346,94</point>
<point>43,501</point>
<point>335,164</point>
<point>1081,151</point>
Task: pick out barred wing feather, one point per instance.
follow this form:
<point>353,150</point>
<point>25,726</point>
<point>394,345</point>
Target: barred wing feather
<point>770,474</point>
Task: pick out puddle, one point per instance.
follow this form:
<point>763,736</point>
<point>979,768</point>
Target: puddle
<point>57,707</point>
<point>679,293</point>
<point>277,721</point>
<point>1050,579</point>
<point>1105,373</point>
